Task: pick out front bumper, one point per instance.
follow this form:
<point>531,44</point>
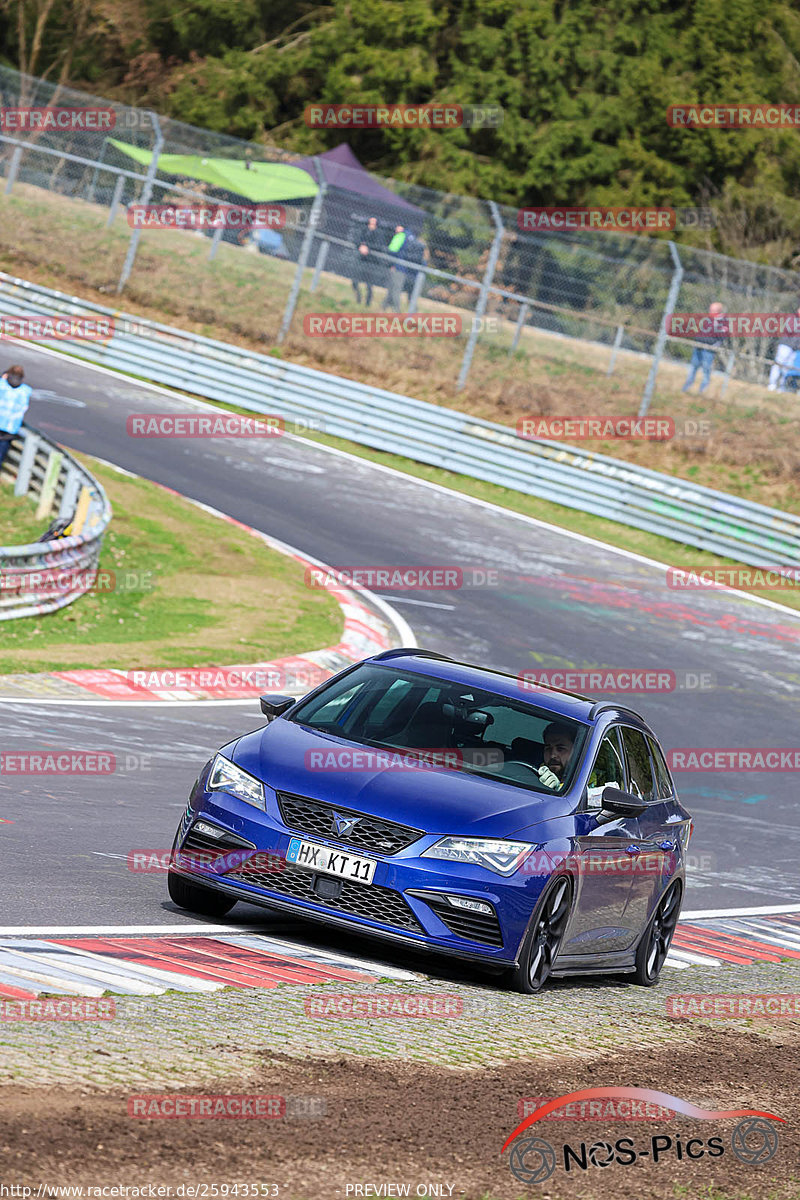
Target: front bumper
<point>406,901</point>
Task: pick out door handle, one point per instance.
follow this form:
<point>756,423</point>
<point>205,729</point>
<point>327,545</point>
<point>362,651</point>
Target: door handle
<point>633,850</point>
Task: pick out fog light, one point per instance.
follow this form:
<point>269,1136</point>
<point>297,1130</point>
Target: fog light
<point>470,905</point>
<point>209,830</point>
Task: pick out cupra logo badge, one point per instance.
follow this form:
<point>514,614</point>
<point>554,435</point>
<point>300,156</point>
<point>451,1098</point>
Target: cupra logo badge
<point>344,825</point>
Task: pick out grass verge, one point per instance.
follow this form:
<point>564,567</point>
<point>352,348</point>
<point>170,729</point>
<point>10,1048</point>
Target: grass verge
<point>190,590</point>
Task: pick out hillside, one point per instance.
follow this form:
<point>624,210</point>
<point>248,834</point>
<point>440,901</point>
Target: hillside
<point>584,89</point>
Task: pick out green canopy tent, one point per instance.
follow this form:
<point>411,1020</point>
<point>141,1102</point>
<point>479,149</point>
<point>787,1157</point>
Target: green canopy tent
<point>259,182</point>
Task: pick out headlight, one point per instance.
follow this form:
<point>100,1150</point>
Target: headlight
<point>227,777</point>
<point>502,857</point>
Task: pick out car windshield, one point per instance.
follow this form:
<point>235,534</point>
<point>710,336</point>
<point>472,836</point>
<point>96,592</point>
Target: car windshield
<point>440,722</point>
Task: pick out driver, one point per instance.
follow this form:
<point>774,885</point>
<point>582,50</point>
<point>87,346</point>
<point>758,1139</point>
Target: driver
<point>558,742</point>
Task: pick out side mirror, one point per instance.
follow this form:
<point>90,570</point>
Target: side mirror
<point>275,706</point>
<point>622,804</point>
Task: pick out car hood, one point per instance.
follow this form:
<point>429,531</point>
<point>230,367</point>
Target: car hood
<point>435,800</point>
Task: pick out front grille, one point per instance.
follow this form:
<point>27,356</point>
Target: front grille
<point>475,927</point>
<point>357,899</point>
<point>315,817</point>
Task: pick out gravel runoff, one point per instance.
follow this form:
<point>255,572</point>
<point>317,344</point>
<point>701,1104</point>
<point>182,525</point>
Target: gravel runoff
<point>178,1039</point>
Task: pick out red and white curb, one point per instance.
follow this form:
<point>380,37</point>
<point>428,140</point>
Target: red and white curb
<point>730,940</point>
<point>184,962</point>
<point>370,625</point>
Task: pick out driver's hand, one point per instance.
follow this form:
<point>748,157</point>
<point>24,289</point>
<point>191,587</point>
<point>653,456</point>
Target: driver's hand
<point>548,777</point>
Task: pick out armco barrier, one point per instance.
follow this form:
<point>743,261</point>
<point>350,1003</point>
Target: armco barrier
<point>592,483</point>
<point>43,576</point>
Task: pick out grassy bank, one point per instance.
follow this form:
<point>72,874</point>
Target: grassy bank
<point>189,590</point>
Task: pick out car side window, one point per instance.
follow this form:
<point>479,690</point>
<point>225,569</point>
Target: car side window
<point>665,788</point>
<point>607,771</point>
<point>640,772</point>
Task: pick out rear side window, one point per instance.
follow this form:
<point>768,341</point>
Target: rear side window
<point>637,756</point>
<point>665,788</point>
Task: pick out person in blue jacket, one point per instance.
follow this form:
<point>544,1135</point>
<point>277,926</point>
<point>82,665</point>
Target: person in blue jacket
<point>15,396</point>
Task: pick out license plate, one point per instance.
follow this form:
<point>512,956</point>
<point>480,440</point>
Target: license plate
<point>327,861</point>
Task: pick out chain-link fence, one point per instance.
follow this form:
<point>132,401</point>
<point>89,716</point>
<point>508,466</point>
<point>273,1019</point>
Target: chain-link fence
<point>379,243</point>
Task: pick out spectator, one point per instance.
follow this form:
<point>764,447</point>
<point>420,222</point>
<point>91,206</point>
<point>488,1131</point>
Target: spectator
<point>394,289</point>
<point>15,397</point>
<point>784,357</point>
<point>365,264</point>
<point>269,241</point>
<point>414,251</point>
<point>702,358</point>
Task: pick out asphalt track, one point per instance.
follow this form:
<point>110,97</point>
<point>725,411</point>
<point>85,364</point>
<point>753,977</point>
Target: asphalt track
<point>558,601</point>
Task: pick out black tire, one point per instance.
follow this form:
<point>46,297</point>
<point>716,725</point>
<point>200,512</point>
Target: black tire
<point>196,898</point>
<point>654,946</point>
<point>543,939</point>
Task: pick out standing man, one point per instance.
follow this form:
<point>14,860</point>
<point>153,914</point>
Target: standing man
<point>394,290</point>
<point>15,396</point>
<point>702,358</point>
<point>364,267</point>
<point>784,358</point>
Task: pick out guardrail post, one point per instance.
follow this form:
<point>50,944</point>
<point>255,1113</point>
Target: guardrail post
<point>522,317</point>
<point>115,199</point>
<point>215,241</point>
<point>13,168</point>
<point>305,250</point>
<point>147,191</point>
<point>322,254</point>
<point>416,291</point>
<point>27,459</point>
<point>483,297</point>
<point>69,497</point>
<point>615,348</point>
<point>49,482</point>
<point>661,340</point>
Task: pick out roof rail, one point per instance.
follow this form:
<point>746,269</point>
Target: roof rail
<point>604,705</point>
<point>402,651</point>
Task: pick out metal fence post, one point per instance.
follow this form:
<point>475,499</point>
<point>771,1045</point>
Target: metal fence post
<point>661,340</point>
<point>615,348</point>
<point>728,372</point>
<point>483,298</point>
<point>322,254</point>
<point>93,184</point>
<point>215,241</point>
<point>115,199</point>
<point>521,319</point>
<point>147,191</point>
<point>416,291</point>
<point>13,167</point>
<point>305,250</point>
